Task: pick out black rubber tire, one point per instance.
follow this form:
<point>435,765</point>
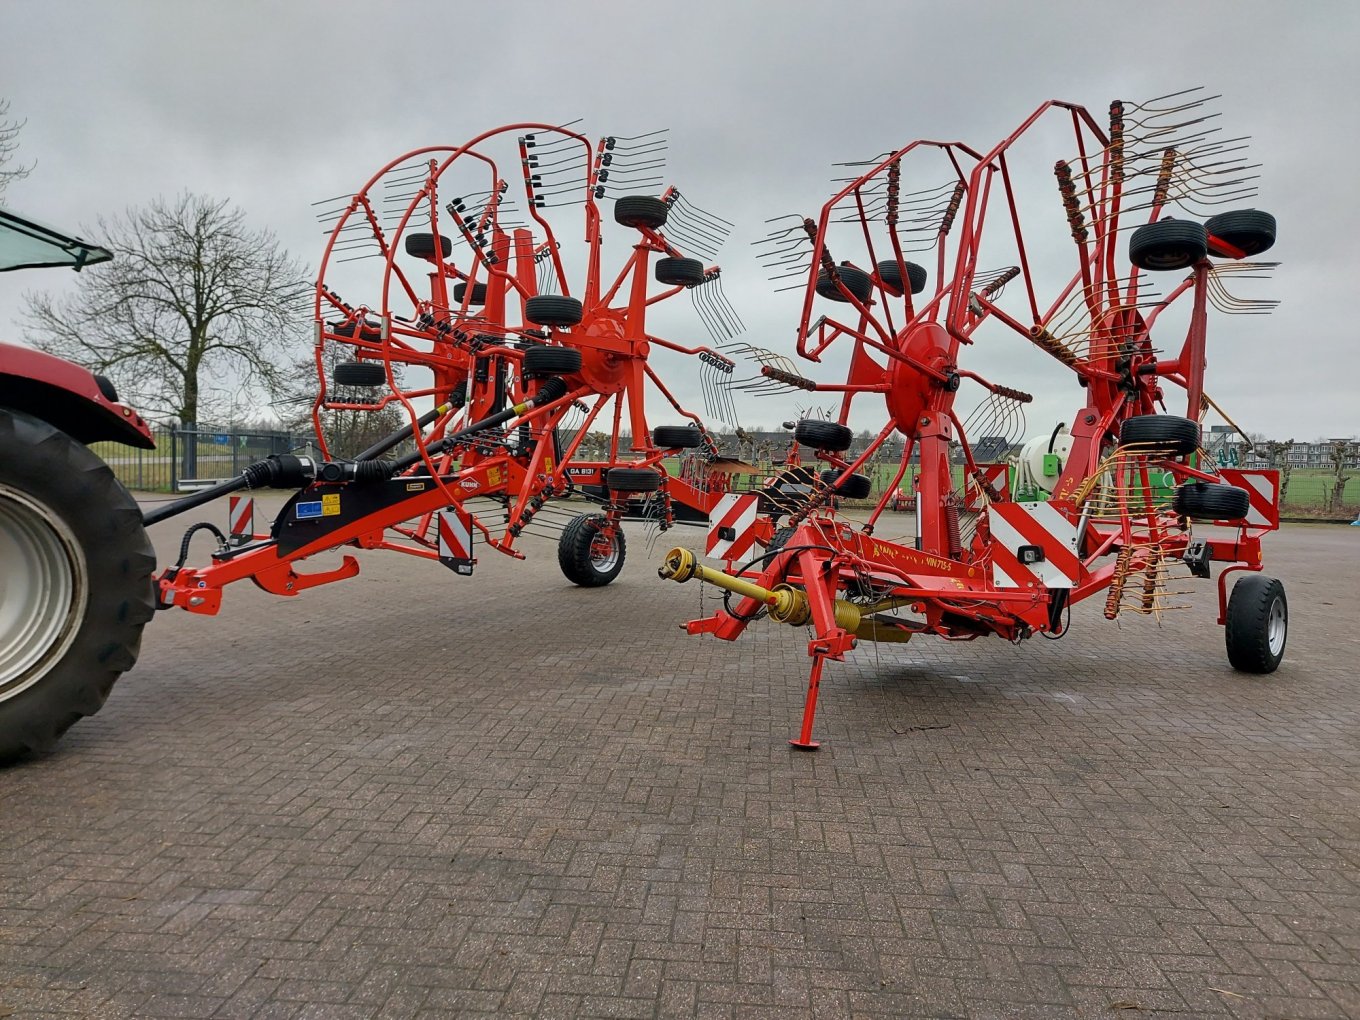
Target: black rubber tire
<point>366,331</point>
<point>575,549</point>
<point>1211,501</point>
<point>621,479</point>
<point>553,310</point>
<point>552,361</point>
<point>823,435</point>
<point>780,539</point>
<point>1255,599</point>
<point>421,246</point>
<point>1168,431</point>
<point>856,281</point>
<point>478,293</point>
<point>1168,245</point>
<point>679,272</point>
<point>1249,230</point>
<point>854,487</point>
<point>360,373</point>
<point>641,211</point>
<point>890,274</point>
<point>79,490</point>
<point>676,437</point>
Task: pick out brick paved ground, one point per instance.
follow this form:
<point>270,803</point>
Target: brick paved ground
<point>417,795</point>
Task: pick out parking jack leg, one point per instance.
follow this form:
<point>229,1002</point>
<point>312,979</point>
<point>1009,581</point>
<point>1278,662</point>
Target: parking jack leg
<point>804,742</point>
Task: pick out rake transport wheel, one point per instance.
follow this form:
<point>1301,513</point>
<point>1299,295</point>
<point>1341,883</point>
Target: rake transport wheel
<point>553,310</point>
<point>854,486</point>
<point>823,435</point>
<point>622,479</point>
<point>1258,624</point>
<point>591,553</point>
<point>1211,501</point>
<point>1168,245</point>
<point>856,281</point>
<point>1250,231</point>
<point>421,246</point>
<point>360,373</point>
<point>478,293</point>
<point>641,211</point>
<point>675,272</point>
<point>76,586</point>
<point>552,361</point>
<point>891,274</point>
<point>676,437</point>
<point>1168,431</point>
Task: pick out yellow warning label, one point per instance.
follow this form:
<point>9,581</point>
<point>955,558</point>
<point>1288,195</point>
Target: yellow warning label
<point>493,476</point>
<point>330,504</point>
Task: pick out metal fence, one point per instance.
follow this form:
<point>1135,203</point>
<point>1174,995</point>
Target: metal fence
<point>185,459</point>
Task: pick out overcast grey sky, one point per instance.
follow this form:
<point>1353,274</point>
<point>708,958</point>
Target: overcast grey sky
<point>276,105</point>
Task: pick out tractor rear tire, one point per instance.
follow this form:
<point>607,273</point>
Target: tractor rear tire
<point>551,361</point>
<point>1211,501</point>
<point>421,246</point>
<point>553,310</point>
<point>1257,625</point>
<point>641,211</point>
<point>1251,231</point>
<point>823,435</point>
<point>891,274</point>
<point>679,272</point>
<point>632,480</point>
<point>587,557</point>
<point>676,437</point>
<point>360,373</point>
<point>854,487</point>
<point>1168,245</point>
<point>76,588</point>
<point>855,280</point>
<point>1167,431</point>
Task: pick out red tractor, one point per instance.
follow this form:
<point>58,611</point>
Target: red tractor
<point>76,567</point>
<point>984,562</point>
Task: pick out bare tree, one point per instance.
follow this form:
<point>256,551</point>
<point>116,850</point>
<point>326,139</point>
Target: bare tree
<point>1343,453</point>
<point>9,145</point>
<point>194,308</point>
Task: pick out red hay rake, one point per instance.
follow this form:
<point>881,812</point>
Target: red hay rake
<point>503,348</point>
<point>984,562</point>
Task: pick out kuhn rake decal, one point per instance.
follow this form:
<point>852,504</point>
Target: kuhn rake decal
<point>503,344</point>
<point>1102,520</point>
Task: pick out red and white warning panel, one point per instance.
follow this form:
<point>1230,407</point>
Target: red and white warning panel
<point>732,526</point>
<point>455,540</point>
<point>1033,545</point>
<point>1263,489</point>
<point>241,518</point>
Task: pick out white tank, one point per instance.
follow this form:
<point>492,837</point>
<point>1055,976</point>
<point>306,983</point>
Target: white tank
<point>1039,464</point>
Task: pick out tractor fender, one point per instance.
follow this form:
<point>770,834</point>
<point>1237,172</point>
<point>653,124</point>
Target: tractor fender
<point>83,405</point>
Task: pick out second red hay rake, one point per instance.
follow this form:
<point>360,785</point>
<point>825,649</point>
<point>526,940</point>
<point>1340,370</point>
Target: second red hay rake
<point>984,563</point>
<point>503,347</point>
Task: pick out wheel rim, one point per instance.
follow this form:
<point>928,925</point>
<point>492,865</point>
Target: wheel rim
<point>43,590</point>
<point>1276,626</point>
<point>604,553</point>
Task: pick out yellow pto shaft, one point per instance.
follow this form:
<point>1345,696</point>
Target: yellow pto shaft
<point>786,603</point>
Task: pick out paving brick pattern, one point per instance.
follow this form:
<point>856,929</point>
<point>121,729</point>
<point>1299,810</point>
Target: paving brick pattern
<point>415,795</point>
